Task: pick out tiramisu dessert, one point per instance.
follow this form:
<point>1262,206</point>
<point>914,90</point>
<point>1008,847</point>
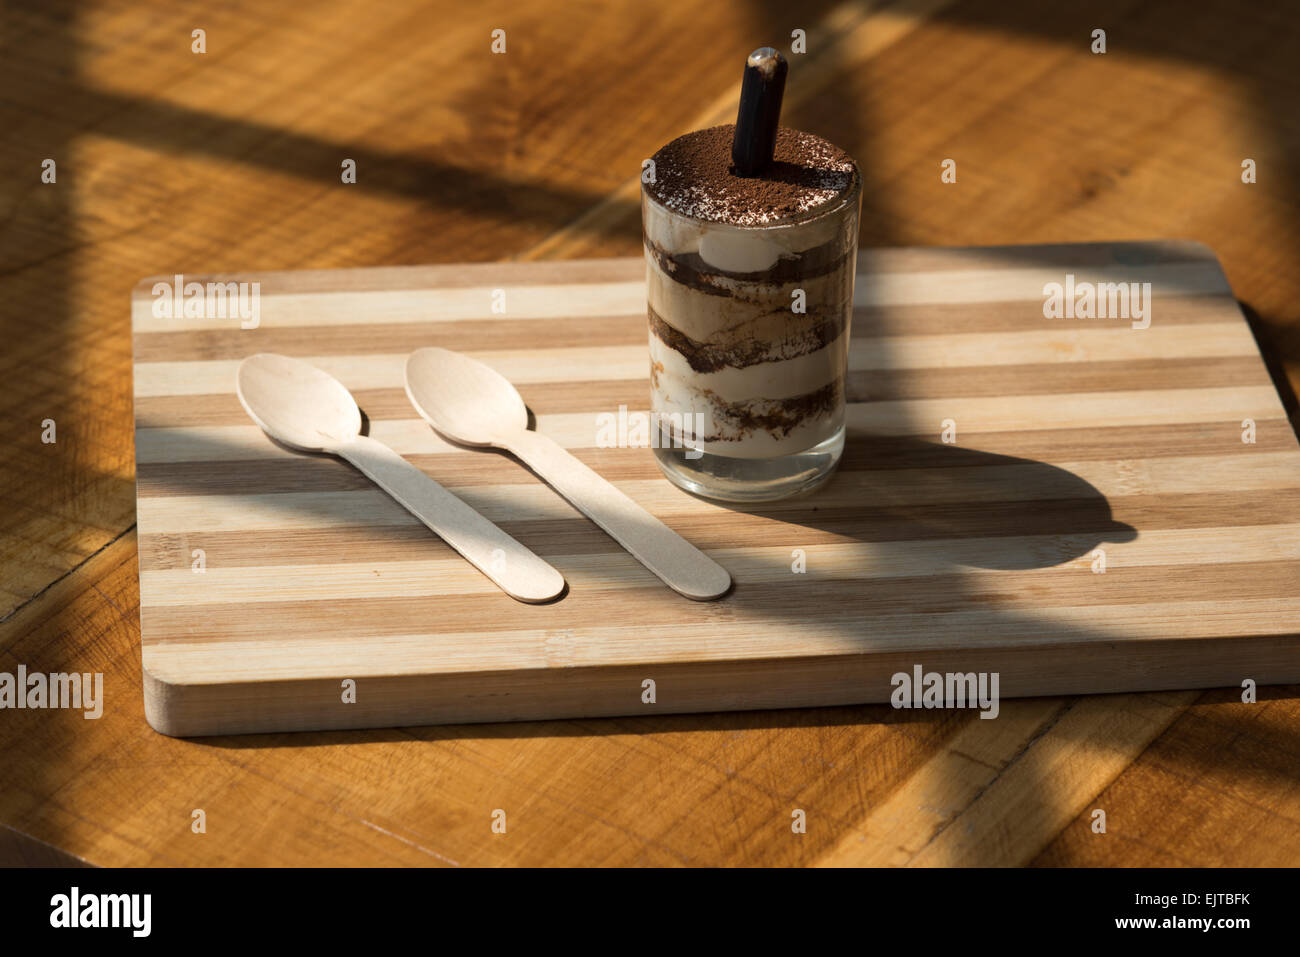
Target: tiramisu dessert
<point>750,294</point>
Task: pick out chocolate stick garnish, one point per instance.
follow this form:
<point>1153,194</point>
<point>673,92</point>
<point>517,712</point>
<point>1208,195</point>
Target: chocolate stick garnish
<point>760,112</point>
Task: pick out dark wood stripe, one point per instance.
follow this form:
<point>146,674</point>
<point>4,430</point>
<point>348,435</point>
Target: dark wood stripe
<point>485,335</point>
<point>766,604</point>
<point>874,385</point>
<point>792,528</point>
<point>1054,378</point>
<point>224,476</point>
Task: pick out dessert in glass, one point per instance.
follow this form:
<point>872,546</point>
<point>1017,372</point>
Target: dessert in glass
<point>750,297</point>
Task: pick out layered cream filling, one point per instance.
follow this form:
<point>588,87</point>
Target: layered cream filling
<point>750,310</point>
<point>755,412</point>
<point>741,430</point>
<point>783,379</point>
<point>767,380</point>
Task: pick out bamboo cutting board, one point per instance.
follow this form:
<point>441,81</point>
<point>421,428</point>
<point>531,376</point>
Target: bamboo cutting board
<point>1071,503</point>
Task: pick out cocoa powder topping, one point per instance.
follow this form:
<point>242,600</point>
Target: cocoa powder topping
<point>694,177</point>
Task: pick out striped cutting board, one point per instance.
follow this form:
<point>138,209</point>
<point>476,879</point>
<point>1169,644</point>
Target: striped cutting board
<point>1098,523</point>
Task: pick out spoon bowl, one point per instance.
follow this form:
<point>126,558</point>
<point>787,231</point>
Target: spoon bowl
<point>296,403</point>
<point>464,399</point>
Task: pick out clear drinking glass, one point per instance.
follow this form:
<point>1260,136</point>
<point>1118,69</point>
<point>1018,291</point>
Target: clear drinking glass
<point>749,346</point>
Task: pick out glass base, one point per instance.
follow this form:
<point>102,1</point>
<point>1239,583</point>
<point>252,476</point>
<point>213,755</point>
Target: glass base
<point>752,480</point>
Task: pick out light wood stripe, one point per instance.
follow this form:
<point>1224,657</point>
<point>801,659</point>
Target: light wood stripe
<point>503,332</point>
<point>615,571</point>
<point>525,301</point>
<point>461,275</point>
<point>358,651</point>
<point>341,308</point>
<point>568,332</point>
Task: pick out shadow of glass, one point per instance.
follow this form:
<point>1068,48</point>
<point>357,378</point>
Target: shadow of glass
<point>923,491</point>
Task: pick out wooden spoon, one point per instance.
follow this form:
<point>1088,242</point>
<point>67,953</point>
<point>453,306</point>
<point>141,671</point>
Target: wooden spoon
<point>307,409</point>
<point>473,404</point>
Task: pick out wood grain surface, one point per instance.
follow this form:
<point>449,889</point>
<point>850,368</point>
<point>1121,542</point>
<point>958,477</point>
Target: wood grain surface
<point>170,161</point>
<point>1103,560</point>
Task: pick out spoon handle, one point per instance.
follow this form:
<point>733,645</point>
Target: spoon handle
<point>682,566</point>
<point>519,572</point>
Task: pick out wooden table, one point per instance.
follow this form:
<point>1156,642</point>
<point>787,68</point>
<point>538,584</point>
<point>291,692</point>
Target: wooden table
<point>169,160</point>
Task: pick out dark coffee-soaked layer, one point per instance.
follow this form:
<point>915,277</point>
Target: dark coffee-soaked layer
<point>778,418</point>
<point>691,270</point>
<point>814,331</point>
